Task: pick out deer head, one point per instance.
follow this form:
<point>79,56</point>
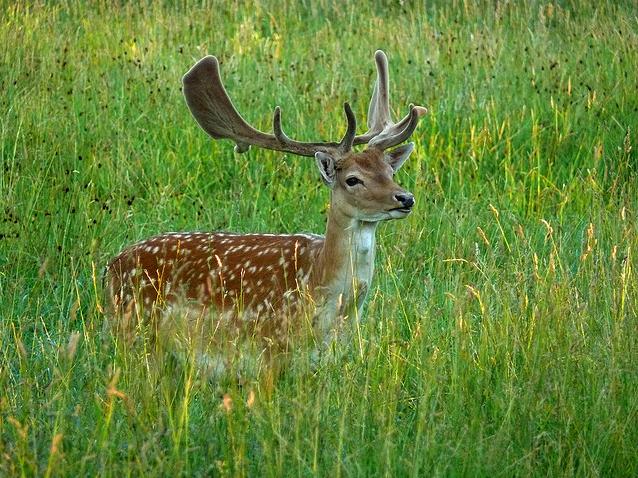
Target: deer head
<point>362,183</point>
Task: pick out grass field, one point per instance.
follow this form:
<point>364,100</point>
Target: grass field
<point>501,334</point>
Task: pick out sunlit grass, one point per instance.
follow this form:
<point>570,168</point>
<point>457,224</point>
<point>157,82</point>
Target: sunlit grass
<point>500,334</point>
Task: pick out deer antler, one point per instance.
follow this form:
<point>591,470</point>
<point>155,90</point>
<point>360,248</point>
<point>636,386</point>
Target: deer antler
<point>382,132</point>
<point>214,111</point>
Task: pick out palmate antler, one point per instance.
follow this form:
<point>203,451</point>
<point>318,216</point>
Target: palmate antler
<point>383,133</point>
<point>215,113</point>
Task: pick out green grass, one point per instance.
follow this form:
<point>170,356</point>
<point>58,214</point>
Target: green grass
<point>500,337</point>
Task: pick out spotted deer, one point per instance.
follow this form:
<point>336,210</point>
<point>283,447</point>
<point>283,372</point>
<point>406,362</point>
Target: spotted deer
<point>229,286</point>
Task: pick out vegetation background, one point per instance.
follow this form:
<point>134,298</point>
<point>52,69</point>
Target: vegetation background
<point>500,337</point>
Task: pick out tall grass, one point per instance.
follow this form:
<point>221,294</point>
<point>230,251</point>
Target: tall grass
<point>500,335</point>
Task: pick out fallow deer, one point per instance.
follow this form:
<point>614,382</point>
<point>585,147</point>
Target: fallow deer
<point>264,286</point>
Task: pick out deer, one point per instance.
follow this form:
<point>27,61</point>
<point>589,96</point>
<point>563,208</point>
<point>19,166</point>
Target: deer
<point>227,287</point>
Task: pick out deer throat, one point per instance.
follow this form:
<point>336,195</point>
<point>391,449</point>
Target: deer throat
<point>362,253</point>
<point>347,261</point>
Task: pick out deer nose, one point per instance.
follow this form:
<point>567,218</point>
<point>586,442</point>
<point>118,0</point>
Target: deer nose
<point>406,199</point>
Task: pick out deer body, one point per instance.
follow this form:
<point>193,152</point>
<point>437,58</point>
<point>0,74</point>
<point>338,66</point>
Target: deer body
<point>225,287</point>
<point>259,279</point>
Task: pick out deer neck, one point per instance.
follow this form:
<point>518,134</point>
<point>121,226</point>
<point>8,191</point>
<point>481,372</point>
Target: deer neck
<point>345,265</point>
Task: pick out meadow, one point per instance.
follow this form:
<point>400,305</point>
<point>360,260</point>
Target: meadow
<point>500,337</point>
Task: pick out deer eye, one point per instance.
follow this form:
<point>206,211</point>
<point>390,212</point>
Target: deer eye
<point>353,181</point>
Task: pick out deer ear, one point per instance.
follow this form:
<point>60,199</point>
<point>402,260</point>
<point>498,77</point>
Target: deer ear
<point>397,156</point>
<point>327,168</point>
